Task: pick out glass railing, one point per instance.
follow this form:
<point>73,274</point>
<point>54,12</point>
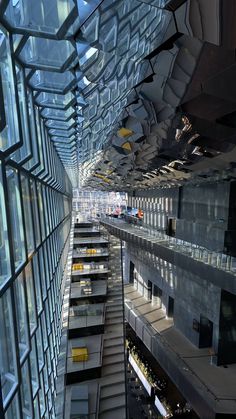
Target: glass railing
<point>216,259</point>
<point>157,340</point>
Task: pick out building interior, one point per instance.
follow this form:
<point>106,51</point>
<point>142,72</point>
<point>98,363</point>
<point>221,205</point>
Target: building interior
<point>117,209</point>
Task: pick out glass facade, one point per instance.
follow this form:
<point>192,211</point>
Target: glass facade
<point>66,70</point>
<point>35,208</point>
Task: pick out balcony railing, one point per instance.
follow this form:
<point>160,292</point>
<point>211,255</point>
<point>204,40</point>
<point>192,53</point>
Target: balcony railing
<point>195,251</point>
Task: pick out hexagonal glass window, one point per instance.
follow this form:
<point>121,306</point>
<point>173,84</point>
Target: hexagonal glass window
<point>58,114</point>
<point>48,80</point>
<point>47,53</point>
<point>9,129</point>
<point>69,140</point>
<point>52,123</point>
<point>41,16</point>
<point>62,133</point>
<point>55,101</point>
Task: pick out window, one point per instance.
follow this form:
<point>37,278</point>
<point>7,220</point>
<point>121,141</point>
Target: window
<point>41,211</point>
<point>42,273</point>
<point>21,315</point>
<point>7,348</point>
<point>33,136</point>
<point>4,245</point>
<point>37,284</point>
<point>9,130</point>
<point>35,212</point>
<point>27,214</point>
<point>26,397</point>
<point>13,411</point>
<point>34,368</point>
<point>16,217</point>
<point>24,151</point>
<point>30,297</point>
<point>40,347</point>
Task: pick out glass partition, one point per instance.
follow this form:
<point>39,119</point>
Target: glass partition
<point>17,232</point>
<point>9,129</point>
<point>8,367</point>
<point>30,292</point>
<point>21,316</point>
<point>5,270</point>
<point>25,150</point>
<point>26,197</point>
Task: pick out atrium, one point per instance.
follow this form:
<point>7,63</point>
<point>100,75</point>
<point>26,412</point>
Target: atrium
<point>117,209</point>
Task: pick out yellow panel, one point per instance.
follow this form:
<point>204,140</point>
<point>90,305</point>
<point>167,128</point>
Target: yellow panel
<point>127,146</point>
<point>79,354</point>
<point>77,266</point>
<point>125,132</point>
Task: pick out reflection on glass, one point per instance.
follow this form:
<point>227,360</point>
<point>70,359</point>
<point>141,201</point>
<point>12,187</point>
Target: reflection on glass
<point>27,213</point>
<point>13,410</point>
<point>16,217</point>
<point>35,212</point>
<point>4,245</point>
<point>34,141</point>
<point>38,16</point>
<point>42,396</point>
<point>39,348</point>
<point>21,315</point>
<point>7,344</point>
<point>37,283</point>
<point>30,297</point>
<point>24,151</point>
<point>33,367</point>
<point>9,131</point>
<point>25,391</point>
<point>36,408</point>
<point>42,273</point>
<point>40,201</point>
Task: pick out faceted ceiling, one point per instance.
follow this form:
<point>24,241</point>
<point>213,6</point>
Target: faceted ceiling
<point>131,92</point>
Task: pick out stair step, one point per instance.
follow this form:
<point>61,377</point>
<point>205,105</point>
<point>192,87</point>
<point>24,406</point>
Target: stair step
<point>114,315</point>
<point>112,379</point>
<point>119,413</point>
<point>116,320</point>
<point>112,390</point>
<point>110,333</point>
<point>113,342</point>
<point>112,403</point>
<point>113,350</point>
<point>113,359</point>
<point>112,370</point>
<point>114,307</point>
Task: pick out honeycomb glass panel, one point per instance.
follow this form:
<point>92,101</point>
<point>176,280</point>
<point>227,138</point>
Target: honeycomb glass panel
<point>9,129</point>
<point>4,243</point>
<point>33,367</point>
<point>33,134</point>
<point>59,124</point>
<point>54,100</point>
<point>47,80</point>
<point>26,398</point>
<point>7,347</point>
<point>58,114</point>
<point>30,292</point>
<point>13,411</point>
<point>18,240</point>
<point>26,196</point>
<point>25,150</point>
<point>21,315</point>
<point>38,16</point>
<point>46,53</point>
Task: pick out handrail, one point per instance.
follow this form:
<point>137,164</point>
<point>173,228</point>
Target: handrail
<point>213,258</point>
